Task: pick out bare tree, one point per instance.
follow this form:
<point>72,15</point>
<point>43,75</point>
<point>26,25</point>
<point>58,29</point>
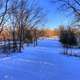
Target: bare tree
<point>23,14</point>
<point>4,6</point>
<point>72,6</point>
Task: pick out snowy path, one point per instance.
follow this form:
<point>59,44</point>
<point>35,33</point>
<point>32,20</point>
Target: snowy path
<point>44,62</point>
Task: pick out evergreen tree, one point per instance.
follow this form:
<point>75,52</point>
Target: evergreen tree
<point>68,39</point>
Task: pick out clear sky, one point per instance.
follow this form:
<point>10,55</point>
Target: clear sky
<point>55,17</point>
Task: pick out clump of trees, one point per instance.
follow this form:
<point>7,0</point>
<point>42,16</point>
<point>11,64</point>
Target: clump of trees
<point>68,39</point>
<point>22,18</point>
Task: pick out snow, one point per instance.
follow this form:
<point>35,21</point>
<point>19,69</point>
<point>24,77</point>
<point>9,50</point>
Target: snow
<point>44,62</point>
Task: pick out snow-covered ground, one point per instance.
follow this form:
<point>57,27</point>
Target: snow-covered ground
<point>44,62</point>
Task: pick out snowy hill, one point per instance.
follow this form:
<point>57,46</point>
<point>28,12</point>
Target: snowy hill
<point>44,62</point>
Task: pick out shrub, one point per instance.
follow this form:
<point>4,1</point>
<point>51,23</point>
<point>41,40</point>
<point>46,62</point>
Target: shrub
<point>68,38</point>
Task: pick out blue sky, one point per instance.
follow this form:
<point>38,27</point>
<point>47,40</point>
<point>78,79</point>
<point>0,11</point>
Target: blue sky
<point>55,16</point>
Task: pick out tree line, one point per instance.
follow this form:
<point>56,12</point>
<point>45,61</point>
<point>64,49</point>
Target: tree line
<point>70,38</point>
<point>22,17</point>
